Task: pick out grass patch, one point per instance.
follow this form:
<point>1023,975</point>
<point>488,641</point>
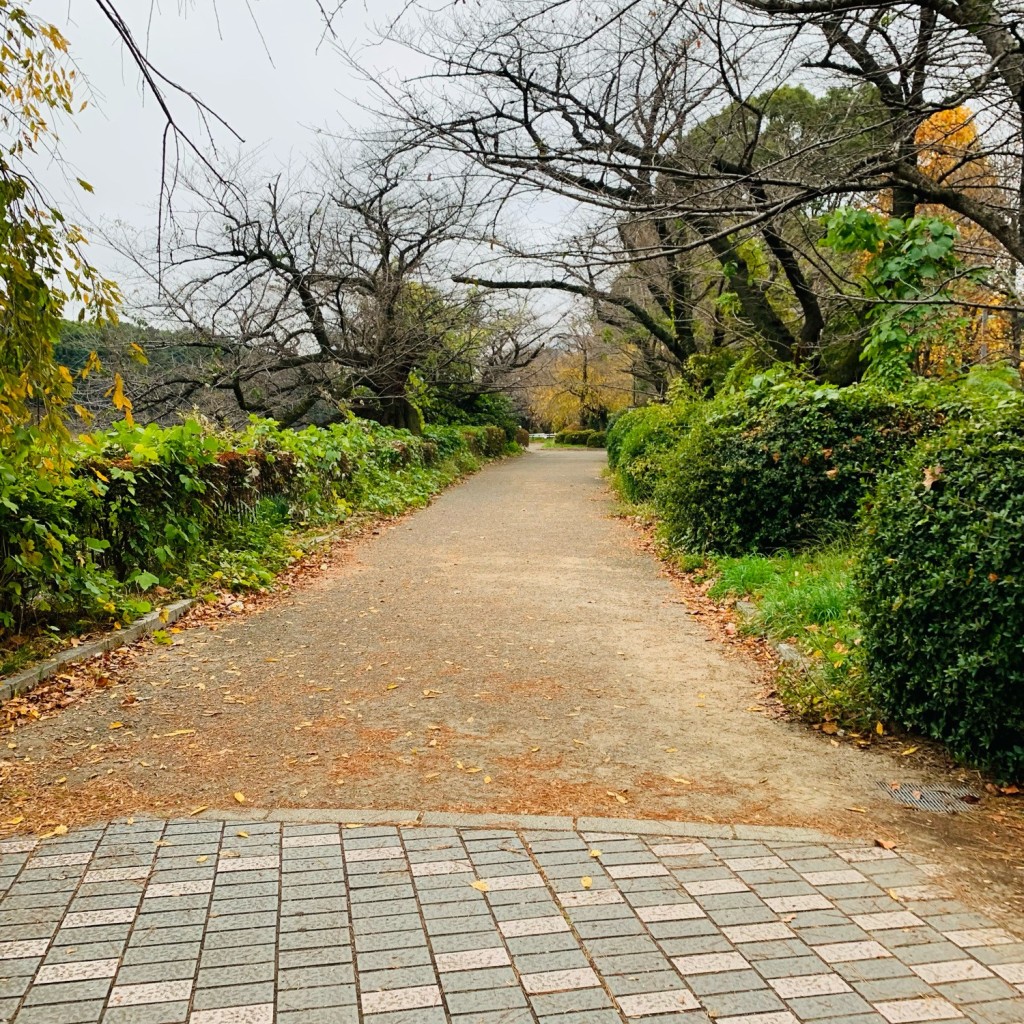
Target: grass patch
<point>808,600</point>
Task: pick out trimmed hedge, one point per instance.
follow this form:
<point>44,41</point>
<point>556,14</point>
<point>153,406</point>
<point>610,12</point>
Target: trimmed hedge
<point>581,437</point>
<point>146,505</point>
<point>761,476</point>
<point>639,440</point>
<point>942,593</point>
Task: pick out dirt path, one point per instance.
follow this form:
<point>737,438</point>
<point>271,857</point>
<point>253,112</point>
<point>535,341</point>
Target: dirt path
<point>507,649</point>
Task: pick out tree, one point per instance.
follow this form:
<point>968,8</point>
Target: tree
<point>694,173</point>
<point>43,264</point>
<point>313,295</point>
<point>585,381</point>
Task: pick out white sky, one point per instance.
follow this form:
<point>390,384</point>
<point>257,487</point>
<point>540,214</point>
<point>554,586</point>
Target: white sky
<point>274,91</point>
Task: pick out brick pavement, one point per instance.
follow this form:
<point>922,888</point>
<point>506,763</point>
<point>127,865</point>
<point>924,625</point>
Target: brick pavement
<point>227,921</point>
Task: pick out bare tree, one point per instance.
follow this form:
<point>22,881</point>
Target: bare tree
<point>668,133</point>
<point>310,295</point>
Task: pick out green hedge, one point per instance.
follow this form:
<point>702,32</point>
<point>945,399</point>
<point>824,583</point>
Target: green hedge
<point>581,437</point>
<point>177,506</point>
<point>942,593</point>
<point>768,471</point>
<point>639,440</point>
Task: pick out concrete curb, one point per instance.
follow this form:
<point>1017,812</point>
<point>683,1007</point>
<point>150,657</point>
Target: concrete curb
<point>516,822</point>
<point>29,678</point>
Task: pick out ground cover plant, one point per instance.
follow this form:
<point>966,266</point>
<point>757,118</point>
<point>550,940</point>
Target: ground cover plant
<point>140,511</point>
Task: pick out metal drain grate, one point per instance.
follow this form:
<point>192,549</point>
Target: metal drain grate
<point>949,799</point>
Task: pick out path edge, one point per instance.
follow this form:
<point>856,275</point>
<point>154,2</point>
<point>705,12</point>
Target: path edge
<point>29,678</point>
<point>368,817</point>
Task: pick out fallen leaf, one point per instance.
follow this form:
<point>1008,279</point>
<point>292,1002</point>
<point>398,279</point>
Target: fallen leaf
<point>197,810</point>
<point>885,844</point>
<point>177,732</point>
<point>116,725</point>
<point>595,854</point>
<point>618,796</point>
<point>681,780</point>
<point>202,860</point>
<point>829,728</point>
<point>880,729</point>
<point>242,835</point>
<point>487,778</point>
<point>60,830</point>
<point>586,881</point>
<point>908,751</point>
<point>480,886</point>
<point>239,798</point>
<point>858,810</point>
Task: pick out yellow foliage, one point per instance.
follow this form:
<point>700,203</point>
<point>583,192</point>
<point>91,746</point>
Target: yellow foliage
<point>585,386</point>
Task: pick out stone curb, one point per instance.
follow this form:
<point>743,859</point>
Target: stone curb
<point>517,822</point>
<point>29,678</point>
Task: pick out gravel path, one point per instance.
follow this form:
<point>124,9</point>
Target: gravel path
<point>509,649</point>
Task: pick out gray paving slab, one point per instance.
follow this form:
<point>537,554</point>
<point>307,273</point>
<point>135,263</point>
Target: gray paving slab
<point>469,919</point>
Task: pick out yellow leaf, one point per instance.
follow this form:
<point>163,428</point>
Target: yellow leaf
<point>595,854</point>
<point>177,732</point>
<point>202,860</point>
<point>487,778</point>
<point>117,725</point>
<point>480,886</point>
<point>908,752</point>
<point>197,810</point>
<point>239,798</point>
<point>242,835</point>
<point>586,881</point>
<point>880,729</point>
<point>15,821</point>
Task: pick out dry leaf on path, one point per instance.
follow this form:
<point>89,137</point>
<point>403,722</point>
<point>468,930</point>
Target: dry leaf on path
<point>595,854</point>
<point>480,886</point>
<point>586,881</point>
<point>239,798</point>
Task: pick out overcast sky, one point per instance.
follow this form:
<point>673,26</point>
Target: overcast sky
<point>266,72</point>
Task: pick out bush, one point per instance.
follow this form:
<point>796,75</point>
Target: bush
<point>177,506</point>
<point>638,441</point>
<point>573,437</point>
<point>942,592</point>
<point>596,439</point>
<point>522,437</point>
<point>778,467</point>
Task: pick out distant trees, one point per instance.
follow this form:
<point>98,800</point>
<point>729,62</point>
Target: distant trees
<point>307,296</point>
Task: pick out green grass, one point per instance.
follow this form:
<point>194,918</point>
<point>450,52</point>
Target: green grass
<point>809,600</point>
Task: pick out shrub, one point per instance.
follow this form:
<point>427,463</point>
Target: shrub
<point>146,505</point>
<point>639,440</point>
<point>596,439</point>
<point>574,437</point>
<point>774,470</point>
<point>942,592</point>
<point>522,437</point>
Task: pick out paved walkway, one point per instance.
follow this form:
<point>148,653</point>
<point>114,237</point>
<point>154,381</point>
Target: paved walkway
<point>214,921</point>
